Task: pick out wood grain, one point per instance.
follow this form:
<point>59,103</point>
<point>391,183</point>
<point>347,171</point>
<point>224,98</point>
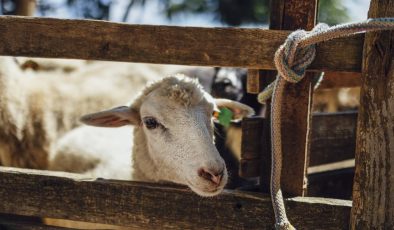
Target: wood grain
<point>340,80</point>
<point>252,130</point>
<point>25,7</point>
<point>333,139</point>
<point>99,40</point>
<point>144,205</point>
<point>373,191</point>
<point>296,106</point>
<point>330,183</point>
<point>331,80</point>
<point>253,81</point>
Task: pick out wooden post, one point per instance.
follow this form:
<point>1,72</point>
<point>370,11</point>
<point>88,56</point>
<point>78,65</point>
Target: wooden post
<point>253,81</point>
<point>296,120</point>
<point>373,190</point>
<point>25,7</point>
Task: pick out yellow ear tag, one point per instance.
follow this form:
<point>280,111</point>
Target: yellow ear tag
<point>224,116</point>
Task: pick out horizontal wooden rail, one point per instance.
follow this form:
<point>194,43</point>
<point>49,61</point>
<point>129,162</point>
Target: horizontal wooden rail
<point>330,80</point>
<point>333,139</point>
<point>340,80</point>
<point>333,180</point>
<point>99,40</point>
<point>142,205</point>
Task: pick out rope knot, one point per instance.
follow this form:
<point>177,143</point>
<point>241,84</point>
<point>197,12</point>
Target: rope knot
<point>291,60</point>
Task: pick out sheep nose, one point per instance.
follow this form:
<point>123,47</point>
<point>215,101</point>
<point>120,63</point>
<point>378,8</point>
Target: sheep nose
<point>214,176</point>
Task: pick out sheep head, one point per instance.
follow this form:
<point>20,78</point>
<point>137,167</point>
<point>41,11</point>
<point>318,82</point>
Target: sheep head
<point>229,83</point>
<point>176,117</point>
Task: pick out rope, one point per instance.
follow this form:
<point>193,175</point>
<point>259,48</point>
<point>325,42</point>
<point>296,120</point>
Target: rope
<point>291,60</point>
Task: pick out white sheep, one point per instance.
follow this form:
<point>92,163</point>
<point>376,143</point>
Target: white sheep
<point>37,109</point>
<point>172,138</point>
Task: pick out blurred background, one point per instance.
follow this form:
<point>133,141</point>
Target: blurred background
<point>244,13</point>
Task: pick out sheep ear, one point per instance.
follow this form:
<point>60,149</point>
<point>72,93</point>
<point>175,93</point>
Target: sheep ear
<point>115,117</point>
<point>238,110</point>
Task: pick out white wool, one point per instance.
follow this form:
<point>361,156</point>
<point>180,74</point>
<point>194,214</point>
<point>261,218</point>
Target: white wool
<point>37,108</point>
<point>97,152</point>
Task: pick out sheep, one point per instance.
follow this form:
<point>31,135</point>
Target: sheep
<point>229,83</point>
<point>86,150</point>
<point>172,138</point>
<point>36,110</point>
<point>223,82</point>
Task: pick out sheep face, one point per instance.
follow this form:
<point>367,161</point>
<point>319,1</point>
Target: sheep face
<point>177,123</point>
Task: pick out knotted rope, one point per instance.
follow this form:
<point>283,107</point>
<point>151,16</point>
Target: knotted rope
<point>291,61</point>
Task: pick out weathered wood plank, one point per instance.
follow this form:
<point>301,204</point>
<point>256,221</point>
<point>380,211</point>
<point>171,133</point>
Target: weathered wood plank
<point>25,7</point>
<point>331,80</point>
<point>333,139</point>
<point>252,130</point>
<point>373,191</point>
<point>137,204</point>
<point>250,168</point>
<point>340,80</point>
<point>99,40</point>
<point>253,81</point>
<point>332,180</point>
<point>252,140</point>
<point>296,108</point>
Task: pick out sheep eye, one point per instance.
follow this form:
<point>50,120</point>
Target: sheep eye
<point>151,123</point>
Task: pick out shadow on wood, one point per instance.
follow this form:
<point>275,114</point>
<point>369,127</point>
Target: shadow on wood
<point>333,139</point>
<point>136,204</point>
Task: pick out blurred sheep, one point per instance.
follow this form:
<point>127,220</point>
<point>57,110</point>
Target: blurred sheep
<point>37,109</point>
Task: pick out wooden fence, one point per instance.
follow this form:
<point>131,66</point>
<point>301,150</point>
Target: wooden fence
<point>142,205</point>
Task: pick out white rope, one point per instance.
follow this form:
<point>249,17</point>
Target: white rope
<point>291,61</point>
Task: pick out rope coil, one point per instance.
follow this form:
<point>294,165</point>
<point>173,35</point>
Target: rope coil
<point>291,60</point>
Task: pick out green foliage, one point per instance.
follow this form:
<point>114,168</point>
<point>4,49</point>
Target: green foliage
<point>238,12</point>
<point>332,12</point>
<point>188,6</point>
<point>231,12</point>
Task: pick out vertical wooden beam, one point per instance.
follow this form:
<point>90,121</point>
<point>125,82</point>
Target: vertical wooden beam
<point>296,120</point>
<point>25,7</point>
<point>253,81</point>
<point>373,190</point>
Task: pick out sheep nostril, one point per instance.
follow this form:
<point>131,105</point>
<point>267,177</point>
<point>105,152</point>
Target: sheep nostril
<point>204,174</point>
<point>216,177</point>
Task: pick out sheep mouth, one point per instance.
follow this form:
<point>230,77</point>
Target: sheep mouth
<point>205,191</point>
